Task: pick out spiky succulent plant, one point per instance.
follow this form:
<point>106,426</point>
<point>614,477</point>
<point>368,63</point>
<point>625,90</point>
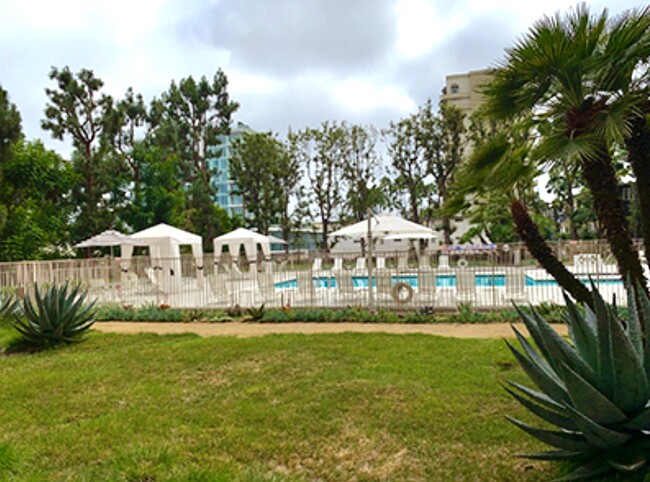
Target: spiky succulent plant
<point>60,314</point>
<point>8,305</point>
<point>594,389</point>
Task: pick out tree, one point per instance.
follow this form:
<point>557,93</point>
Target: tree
<point>127,118</point>
<point>443,140</point>
<point>361,169</point>
<point>426,149</point>
<point>78,108</point>
<point>10,125</point>
<point>411,190</point>
<point>189,120</point>
<point>255,164</point>
<point>503,167</point>
<point>573,74</point>
<point>321,152</point>
<point>36,184</point>
<point>288,177</point>
<point>163,194</point>
<point>564,180</point>
<point>10,133</point>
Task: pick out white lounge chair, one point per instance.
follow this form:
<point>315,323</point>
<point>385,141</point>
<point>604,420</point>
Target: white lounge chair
<point>266,287</point>
<point>402,261</point>
<point>515,286</point>
<point>465,286</point>
<point>380,262</point>
<point>443,261</point>
<point>338,264</point>
<point>424,262</point>
<point>347,292</point>
<point>426,287</point>
<point>317,265</point>
<point>361,264</point>
<point>384,282</point>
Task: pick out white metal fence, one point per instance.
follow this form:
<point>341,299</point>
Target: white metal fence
<point>485,277</point>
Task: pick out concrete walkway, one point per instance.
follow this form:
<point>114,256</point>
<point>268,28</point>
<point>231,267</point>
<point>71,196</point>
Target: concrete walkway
<point>487,330</point>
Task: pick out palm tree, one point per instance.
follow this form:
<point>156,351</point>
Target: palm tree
<point>575,75</point>
<point>503,165</point>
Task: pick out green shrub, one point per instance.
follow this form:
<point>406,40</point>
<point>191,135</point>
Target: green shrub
<point>59,315</point>
<point>256,314</point>
<point>594,389</point>
<point>115,313</point>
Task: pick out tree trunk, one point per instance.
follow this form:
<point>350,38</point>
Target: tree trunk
<point>446,230</point>
<point>541,251</point>
<point>638,146</point>
<point>601,179</point>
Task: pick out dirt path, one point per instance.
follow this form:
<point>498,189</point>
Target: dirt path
<point>491,330</point>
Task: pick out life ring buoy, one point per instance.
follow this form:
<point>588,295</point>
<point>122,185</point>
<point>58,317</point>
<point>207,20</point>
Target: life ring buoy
<point>402,292</point>
<point>462,263</point>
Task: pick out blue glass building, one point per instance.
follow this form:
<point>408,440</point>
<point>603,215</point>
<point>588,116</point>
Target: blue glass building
<point>225,196</point>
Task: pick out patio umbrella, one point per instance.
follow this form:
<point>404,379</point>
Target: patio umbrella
<point>109,238</point>
<point>385,226</point>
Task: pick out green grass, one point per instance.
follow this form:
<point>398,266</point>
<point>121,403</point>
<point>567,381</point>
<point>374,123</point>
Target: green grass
<point>362,407</point>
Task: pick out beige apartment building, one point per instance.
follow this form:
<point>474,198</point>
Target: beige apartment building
<point>463,90</point>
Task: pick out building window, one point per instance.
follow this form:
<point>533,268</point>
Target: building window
<point>454,88</point>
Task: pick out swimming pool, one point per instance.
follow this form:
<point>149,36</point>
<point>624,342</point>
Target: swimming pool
<point>551,282</point>
<point>442,281</point>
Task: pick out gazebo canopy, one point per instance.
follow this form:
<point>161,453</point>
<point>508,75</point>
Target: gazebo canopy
<point>385,226</point>
<point>166,232</point>
<point>164,243</point>
<point>249,239</point>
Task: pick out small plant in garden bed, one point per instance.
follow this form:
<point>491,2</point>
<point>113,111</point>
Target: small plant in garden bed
<point>58,315</point>
<point>256,314</point>
<point>595,389</point>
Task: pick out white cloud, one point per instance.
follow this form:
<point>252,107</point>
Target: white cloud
<point>418,27</point>
<point>364,95</point>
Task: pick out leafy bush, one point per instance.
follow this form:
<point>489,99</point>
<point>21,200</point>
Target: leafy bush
<point>256,314</point>
<point>595,389</point>
<point>59,315</point>
<point>235,311</point>
<point>205,316</point>
<point>152,312</point>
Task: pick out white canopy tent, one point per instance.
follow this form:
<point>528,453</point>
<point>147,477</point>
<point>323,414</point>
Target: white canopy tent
<point>385,226</point>
<point>247,238</point>
<point>164,243</point>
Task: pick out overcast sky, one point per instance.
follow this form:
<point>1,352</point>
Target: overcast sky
<point>290,63</point>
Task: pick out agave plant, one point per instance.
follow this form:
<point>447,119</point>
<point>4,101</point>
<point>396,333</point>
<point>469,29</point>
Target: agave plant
<point>594,389</point>
<point>8,305</point>
<point>256,314</point>
<point>60,314</point>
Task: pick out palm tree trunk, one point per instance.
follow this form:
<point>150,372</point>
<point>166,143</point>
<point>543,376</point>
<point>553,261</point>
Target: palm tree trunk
<point>638,147</point>
<point>541,251</point>
<point>601,179</point>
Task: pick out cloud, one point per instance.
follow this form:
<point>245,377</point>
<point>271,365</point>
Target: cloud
<point>286,37</point>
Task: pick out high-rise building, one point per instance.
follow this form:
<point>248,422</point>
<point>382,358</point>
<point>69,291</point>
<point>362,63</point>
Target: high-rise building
<point>463,90</point>
<point>226,197</point>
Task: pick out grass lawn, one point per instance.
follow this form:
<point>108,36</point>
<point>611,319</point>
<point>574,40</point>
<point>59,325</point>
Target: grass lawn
<point>362,407</point>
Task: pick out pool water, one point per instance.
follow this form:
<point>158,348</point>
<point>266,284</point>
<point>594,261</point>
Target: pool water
<point>551,282</point>
<point>442,281</point>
